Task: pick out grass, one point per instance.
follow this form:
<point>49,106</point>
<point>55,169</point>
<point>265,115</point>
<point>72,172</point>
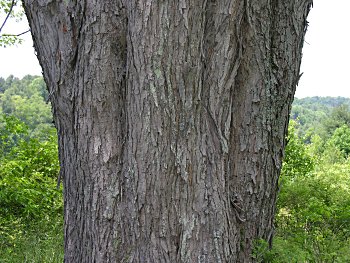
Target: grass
<point>39,242</point>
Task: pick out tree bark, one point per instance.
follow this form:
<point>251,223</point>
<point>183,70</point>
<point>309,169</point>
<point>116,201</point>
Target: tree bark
<point>171,118</point>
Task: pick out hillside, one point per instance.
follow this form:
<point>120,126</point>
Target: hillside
<point>318,114</point>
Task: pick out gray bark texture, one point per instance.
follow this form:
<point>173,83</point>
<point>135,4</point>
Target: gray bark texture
<point>171,118</point>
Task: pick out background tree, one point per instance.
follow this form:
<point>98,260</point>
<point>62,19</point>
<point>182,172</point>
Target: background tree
<point>26,99</point>
<point>31,205</point>
<point>339,117</point>
<point>341,138</point>
<point>297,160</point>
<point>171,120</point>
<point>321,115</point>
<point>312,219</point>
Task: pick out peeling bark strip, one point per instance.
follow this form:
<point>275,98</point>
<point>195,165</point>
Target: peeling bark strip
<point>171,118</point>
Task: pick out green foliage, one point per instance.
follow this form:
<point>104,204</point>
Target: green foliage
<point>341,139</point>
<point>297,161</point>
<point>261,251</point>
<point>339,116</point>
<point>6,6</point>
<point>316,146</point>
<point>28,172</point>
<point>319,114</point>
<point>28,194</point>
<point>38,241</point>
<point>11,131</point>
<point>313,219</point>
<point>9,9</point>
<point>30,205</point>
<point>9,40</point>
<point>25,99</point>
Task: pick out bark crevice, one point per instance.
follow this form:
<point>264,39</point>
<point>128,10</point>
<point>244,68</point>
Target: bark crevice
<point>171,119</point>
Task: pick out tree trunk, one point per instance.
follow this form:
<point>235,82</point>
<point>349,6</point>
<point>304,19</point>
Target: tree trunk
<point>171,118</point>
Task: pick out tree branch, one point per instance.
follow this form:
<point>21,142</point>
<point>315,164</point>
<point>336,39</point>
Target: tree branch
<point>8,15</point>
<point>14,35</point>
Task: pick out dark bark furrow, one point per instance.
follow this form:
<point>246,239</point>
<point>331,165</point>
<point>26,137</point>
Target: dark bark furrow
<point>171,119</point>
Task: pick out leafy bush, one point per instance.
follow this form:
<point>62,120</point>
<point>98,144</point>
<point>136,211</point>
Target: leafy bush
<point>28,194</point>
<point>31,209</point>
<point>341,139</point>
<point>11,131</point>
<point>297,161</point>
<point>313,219</point>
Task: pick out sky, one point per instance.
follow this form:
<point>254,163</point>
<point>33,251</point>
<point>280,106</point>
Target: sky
<point>326,53</point>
